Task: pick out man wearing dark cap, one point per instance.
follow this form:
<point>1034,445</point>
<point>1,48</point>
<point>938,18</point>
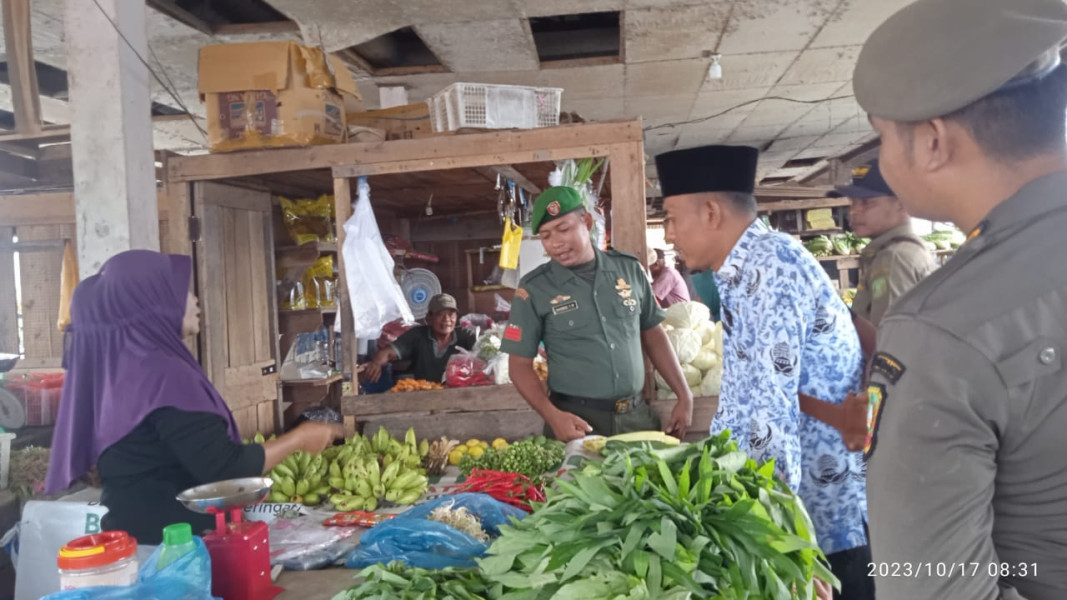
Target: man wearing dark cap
<point>786,332</point>
<point>428,346</point>
<point>595,312</point>
<point>967,473</point>
<point>896,259</point>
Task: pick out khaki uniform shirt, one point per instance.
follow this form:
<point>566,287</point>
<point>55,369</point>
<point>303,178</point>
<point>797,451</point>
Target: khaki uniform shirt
<point>889,266</point>
<point>967,467</point>
<point>591,332</point>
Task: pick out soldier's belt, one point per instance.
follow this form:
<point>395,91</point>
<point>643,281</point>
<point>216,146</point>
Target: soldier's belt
<point>620,406</point>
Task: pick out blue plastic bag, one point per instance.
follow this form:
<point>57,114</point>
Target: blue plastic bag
<point>414,539</point>
<point>188,578</point>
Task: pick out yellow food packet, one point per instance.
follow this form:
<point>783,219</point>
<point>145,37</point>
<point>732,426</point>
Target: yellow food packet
<point>308,220</point>
<point>320,283</point>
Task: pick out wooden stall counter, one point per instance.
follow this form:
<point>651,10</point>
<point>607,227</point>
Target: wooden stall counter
<point>483,412</point>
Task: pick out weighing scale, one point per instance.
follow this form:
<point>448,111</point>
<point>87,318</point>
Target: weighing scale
<point>240,550</point>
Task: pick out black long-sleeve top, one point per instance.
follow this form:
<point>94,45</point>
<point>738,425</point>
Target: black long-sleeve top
<point>170,451</point>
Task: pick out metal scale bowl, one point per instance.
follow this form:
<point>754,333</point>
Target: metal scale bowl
<point>240,550</point>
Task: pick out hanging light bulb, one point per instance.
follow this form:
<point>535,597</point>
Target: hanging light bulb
<point>715,70</point>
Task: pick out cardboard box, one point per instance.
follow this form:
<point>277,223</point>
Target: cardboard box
<point>273,94</point>
<point>399,123</point>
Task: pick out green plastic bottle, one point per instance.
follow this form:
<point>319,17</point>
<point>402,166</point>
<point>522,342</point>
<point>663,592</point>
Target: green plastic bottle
<point>177,542</point>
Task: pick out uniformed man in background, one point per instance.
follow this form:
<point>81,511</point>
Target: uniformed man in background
<point>896,259</point>
<point>595,312</point>
<point>967,473</point>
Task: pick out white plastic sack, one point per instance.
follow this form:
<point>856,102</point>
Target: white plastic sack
<point>376,297</point>
<point>44,528</point>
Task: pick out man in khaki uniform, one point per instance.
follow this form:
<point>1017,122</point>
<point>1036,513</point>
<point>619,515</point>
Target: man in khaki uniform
<point>967,473</point>
<point>595,313</point>
<point>896,259</point>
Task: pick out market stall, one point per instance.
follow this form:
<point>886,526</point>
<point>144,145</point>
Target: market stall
<point>403,174</point>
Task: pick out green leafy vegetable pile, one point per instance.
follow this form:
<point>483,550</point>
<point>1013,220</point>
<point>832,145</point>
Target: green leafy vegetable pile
<point>692,521</point>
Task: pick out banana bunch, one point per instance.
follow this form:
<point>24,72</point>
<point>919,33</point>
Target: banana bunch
<point>259,439</point>
<point>366,470</point>
<point>300,478</point>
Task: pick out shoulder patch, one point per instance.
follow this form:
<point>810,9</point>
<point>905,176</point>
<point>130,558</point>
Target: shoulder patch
<point>513,333</point>
<point>888,366</point>
<point>879,287</point>
<point>522,293</point>
<point>876,398</point>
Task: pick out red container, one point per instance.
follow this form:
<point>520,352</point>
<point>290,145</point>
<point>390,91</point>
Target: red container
<point>240,559</point>
<point>39,394</point>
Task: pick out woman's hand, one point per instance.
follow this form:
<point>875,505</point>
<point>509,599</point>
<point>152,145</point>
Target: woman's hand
<point>312,437</point>
<point>316,437</point>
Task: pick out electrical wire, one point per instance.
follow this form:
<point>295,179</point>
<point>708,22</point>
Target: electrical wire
<point>743,104</point>
<point>173,94</point>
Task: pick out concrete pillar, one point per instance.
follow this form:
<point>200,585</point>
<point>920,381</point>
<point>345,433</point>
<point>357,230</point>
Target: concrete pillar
<point>111,130</point>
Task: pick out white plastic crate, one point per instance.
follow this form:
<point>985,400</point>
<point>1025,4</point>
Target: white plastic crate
<point>494,107</point>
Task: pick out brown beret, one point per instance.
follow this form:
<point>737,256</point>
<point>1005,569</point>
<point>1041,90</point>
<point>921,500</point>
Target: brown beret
<point>934,57</point>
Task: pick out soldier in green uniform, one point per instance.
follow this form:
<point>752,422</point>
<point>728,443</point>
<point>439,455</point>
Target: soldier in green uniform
<point>896,259</point>
<point>595,312</point>
<point>967,474</point>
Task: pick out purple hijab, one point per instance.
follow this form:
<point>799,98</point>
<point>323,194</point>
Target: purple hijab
<point>125,358</point>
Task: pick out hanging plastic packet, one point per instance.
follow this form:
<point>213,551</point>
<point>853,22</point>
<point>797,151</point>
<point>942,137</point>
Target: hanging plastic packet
<point>309,221</point>
<point>510,244</point>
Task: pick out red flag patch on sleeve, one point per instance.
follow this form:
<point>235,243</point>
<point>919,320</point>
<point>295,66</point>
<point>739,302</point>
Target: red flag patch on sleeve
<point>513,333</point>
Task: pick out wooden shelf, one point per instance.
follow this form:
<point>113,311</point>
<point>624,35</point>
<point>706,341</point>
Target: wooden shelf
<point>313,382</point>
<point>807,204</point>
<point>816,232</point>
<point>306,254</point>
<point>848,261</point>
<point>492,288</point>
<point>299,321</point>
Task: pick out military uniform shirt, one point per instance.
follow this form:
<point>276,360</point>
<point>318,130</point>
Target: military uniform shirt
<point>786,331</point>
<point>968,463</point>
<point>591,331</point>
<point>889,267</point>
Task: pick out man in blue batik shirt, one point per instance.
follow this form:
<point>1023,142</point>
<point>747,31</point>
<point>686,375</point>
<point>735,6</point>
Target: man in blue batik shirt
<point>786,332</point>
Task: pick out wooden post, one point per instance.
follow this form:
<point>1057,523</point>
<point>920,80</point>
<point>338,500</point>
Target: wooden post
<point>22,73</point>
<point>342,198</point>
<point>628,198</point>
<point>9,332</point>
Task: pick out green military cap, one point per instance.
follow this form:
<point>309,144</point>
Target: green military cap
<point>934,57</point>
<point>554,203</point>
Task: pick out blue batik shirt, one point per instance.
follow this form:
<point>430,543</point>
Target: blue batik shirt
<point>785,330</point>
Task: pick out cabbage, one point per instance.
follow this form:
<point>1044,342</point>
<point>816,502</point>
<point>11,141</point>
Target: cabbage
<point>706,359</point>
<point>709,386</point>
<point>687,315</point>
<point>706,331</point>
<point>666,394</point>
<point>686,344</point>
<point>692,375</point>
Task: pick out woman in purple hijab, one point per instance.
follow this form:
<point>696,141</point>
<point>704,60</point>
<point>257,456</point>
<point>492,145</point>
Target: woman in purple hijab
<point>138,406</point>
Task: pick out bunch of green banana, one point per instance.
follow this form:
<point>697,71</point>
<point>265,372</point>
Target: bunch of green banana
<point>367,470</point>
<point>259,439</point>
<point>300,478</point>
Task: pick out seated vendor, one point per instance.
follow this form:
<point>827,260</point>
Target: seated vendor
<point>429,346</point>
<point>137,405</point>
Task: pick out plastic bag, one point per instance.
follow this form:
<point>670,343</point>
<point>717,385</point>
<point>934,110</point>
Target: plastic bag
<point>376,296</point>
<point>476,321</point>
<point>304,544</point>
<point>414,539</point>
<point>509,245</point>
<point>499,369</point>
<point>308,221</point>
<point>464,369</point>
<point>187,578</point>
